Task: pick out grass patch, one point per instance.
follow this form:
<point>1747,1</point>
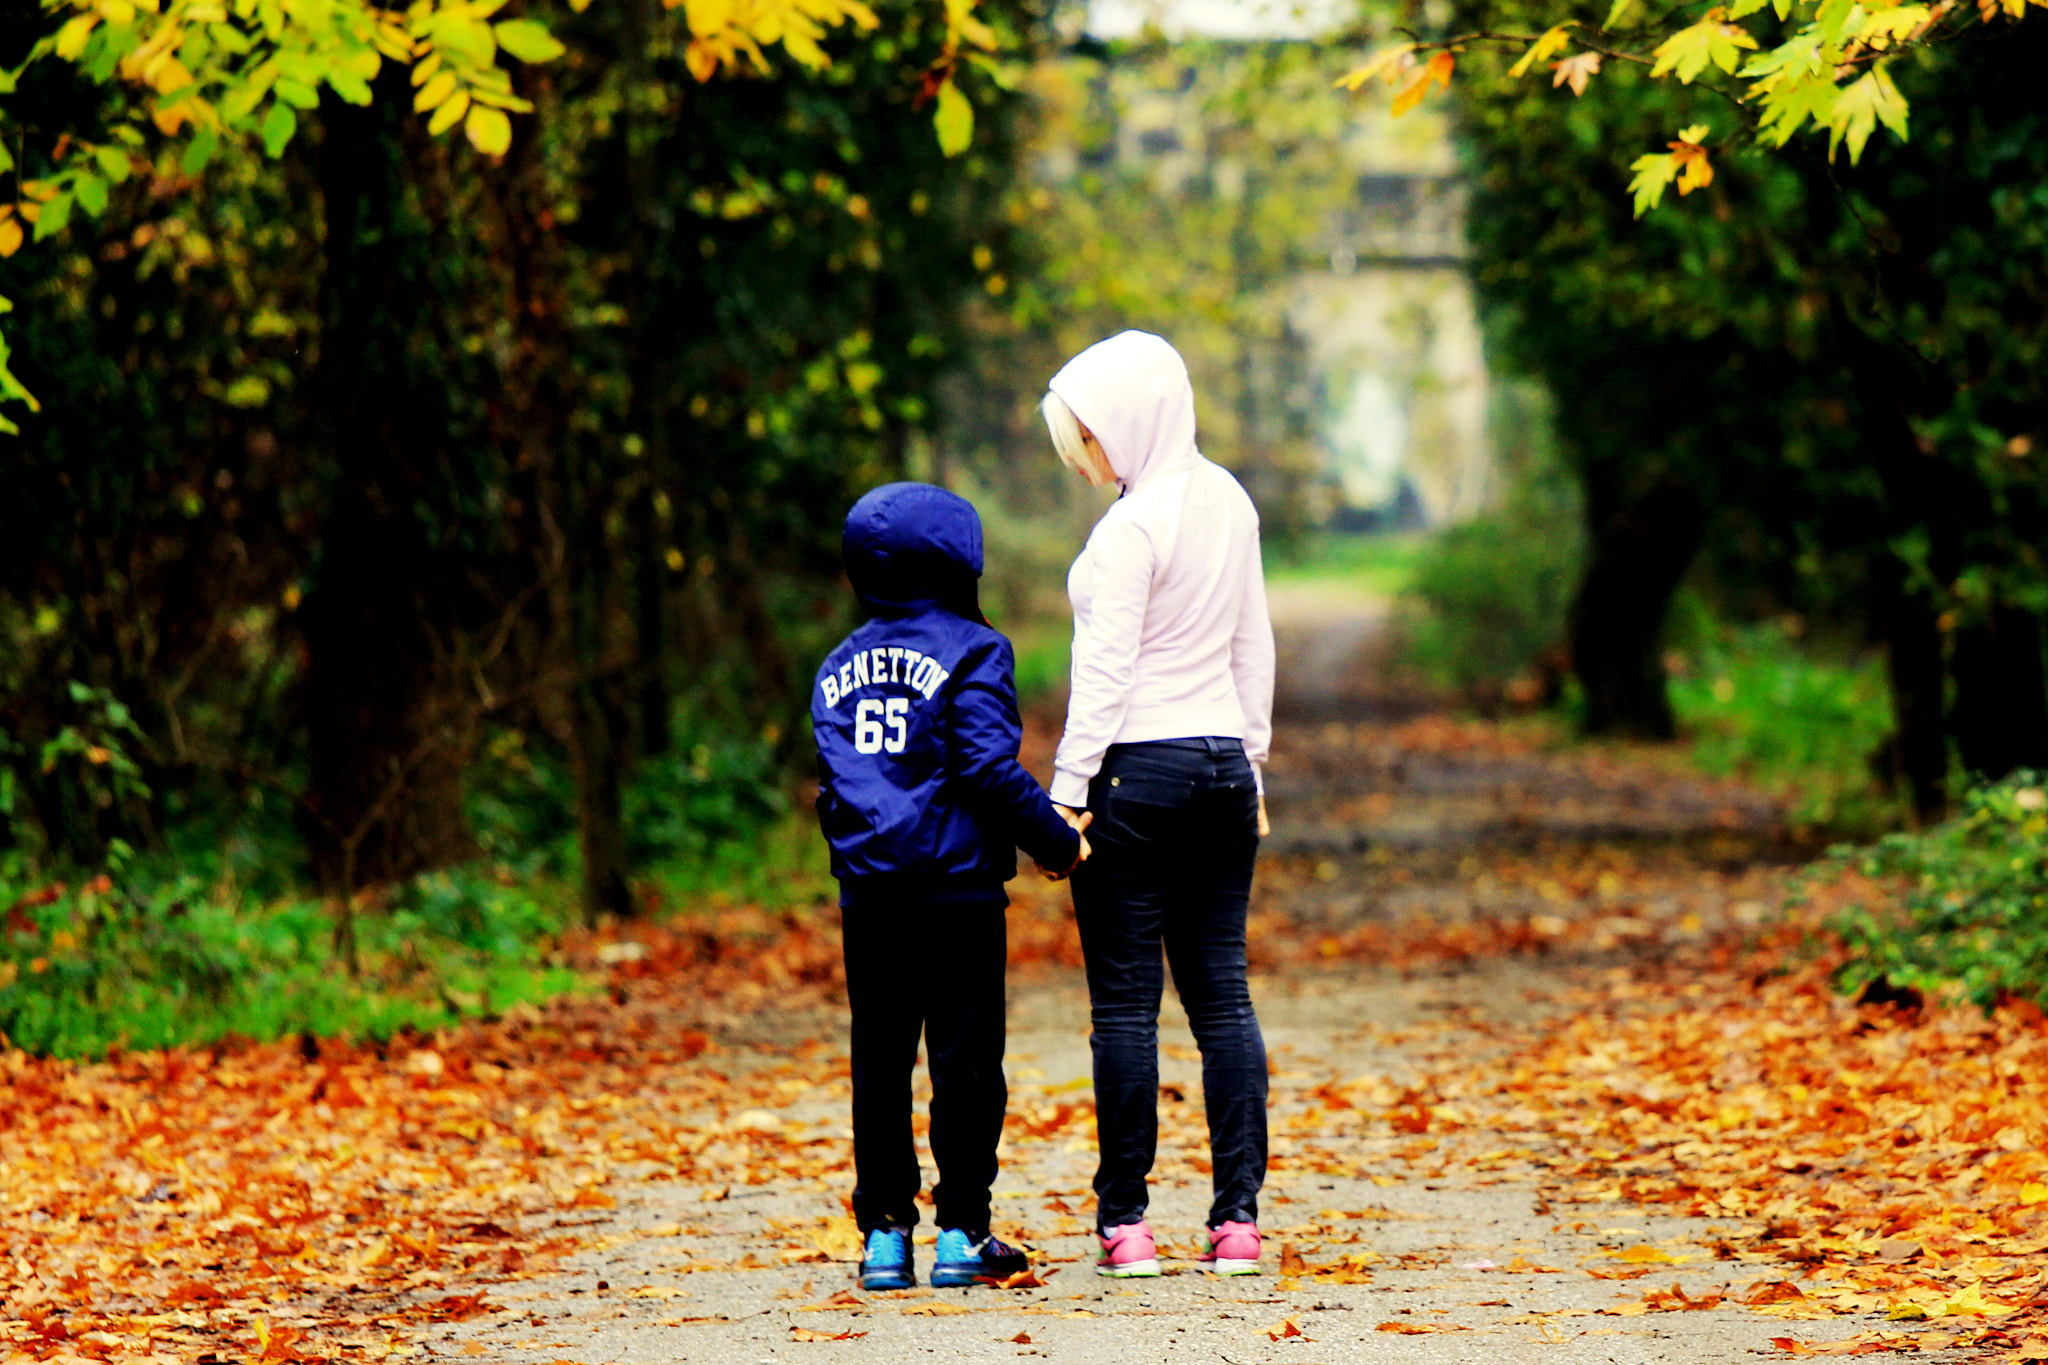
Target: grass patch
<point>1378,565</point>
<point>137,962</point>
<point>1974,917</point>
<point>1757,702</point>
<point>103,964</point>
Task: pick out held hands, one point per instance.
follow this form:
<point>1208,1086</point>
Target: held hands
<point>1078,821</point>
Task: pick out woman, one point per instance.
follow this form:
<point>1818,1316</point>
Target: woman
<point>1168,725</point>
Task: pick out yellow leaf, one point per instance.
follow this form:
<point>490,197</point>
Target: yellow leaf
<point>1436,71</point>
<point>954,120</point>
<point>169,76</point>
<point>71,38</point>
<point>1642,1253</point>
<point>434,93</point>
<point>449,114</point>
<point>10,237</point>
<point>708,17</point>
<point>1550,42</point>
<point>490,132</point>
<point>2034,1192</point>
<point>1388,62</point>
<point>1890,25</point>
<point>839,1238</point>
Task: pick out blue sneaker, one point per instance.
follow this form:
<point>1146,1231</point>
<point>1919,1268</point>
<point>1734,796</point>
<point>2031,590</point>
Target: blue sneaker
<point>886,1263</point>
<point>965,1257</point>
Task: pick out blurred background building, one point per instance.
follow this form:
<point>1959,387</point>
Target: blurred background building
<point>1303,247</point>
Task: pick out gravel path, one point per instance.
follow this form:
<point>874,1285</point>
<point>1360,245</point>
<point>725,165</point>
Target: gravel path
<point>1403,1254</point>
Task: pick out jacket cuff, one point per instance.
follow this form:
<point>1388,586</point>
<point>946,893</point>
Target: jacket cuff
<point>1069,789</point>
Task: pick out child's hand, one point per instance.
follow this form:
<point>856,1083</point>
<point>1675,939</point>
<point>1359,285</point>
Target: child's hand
<point>1078,821</point>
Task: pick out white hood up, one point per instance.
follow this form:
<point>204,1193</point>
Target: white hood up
<point>1133,392</point>
<point>1171,635</point>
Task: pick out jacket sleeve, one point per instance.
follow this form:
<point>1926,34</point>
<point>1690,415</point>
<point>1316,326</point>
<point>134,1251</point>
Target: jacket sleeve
<point>986,733</point>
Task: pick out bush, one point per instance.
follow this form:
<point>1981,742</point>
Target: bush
<point>1974,918</point>
<point>103,964</point>
<point>1487,601</point>
<point>1760,702</point>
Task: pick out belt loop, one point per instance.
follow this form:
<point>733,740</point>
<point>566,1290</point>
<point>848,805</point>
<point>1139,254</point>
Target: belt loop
<point>1213,746</point>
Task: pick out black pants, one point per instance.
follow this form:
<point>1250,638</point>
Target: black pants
<point>1175,836</point>
<point>935,969</point>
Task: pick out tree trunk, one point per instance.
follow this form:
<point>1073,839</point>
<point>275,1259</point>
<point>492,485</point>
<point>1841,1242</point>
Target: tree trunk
<point>1913,664</point>
<point>599,755</point>
<point>1638,553</point>
<point>2000,718</point>
<point>386,751</point>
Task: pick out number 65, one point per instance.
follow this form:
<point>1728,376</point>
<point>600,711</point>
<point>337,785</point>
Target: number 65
<point>867,730</point>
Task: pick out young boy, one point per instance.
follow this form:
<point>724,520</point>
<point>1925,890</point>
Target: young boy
<point>924,804</point>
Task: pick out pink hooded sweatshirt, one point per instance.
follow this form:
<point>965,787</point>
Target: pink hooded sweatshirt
<point>1171,635</point>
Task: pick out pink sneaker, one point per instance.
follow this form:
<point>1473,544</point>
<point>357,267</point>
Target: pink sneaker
<point>1127,1253</point>
<point>1233,1249</point>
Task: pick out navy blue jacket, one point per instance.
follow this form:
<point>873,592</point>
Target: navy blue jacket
<point>915,714</point>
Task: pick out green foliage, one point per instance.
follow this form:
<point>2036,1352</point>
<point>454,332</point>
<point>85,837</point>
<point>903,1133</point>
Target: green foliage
<point>1488,599</point>
<point>1759,702</point>
<point>1374,565</point>
<point>1974,915</point>
<point>1485,602</point>
<point>87,967</point>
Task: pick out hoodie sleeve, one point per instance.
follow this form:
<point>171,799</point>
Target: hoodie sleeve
<point>1122,562</point>
<point>1252,665</point>
<point>986,734</point>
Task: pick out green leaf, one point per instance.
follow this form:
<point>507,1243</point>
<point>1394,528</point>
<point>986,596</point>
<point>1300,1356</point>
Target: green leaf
<point>528,40</point>
<point>113,163</point>
<point>199,151</point>
<point>1858,110</point>
<point>1689,50</point>
<point>1653,175</point>
<point>1614,15</point>
<point>954,120</point>
<point>467,40</point>
<point>278,126</point>
<point>350,85</point>
<point>298,94</point>
<point>91,192</point>
<point>56,215</point>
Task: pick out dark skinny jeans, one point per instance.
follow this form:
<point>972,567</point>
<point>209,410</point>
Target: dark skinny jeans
<point>932,968</point>
<point>1174,838</point>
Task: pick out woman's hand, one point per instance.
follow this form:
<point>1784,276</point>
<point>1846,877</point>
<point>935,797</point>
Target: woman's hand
<point>1078,821</point>
<point>1265,825</point>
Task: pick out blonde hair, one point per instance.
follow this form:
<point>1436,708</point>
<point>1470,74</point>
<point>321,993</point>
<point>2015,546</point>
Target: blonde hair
<point>1067,441</point>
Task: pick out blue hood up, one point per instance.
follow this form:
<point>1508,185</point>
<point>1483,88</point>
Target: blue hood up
<point>909,545</point>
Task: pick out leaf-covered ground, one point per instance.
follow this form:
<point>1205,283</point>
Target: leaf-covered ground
<point>1559,1081</point>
